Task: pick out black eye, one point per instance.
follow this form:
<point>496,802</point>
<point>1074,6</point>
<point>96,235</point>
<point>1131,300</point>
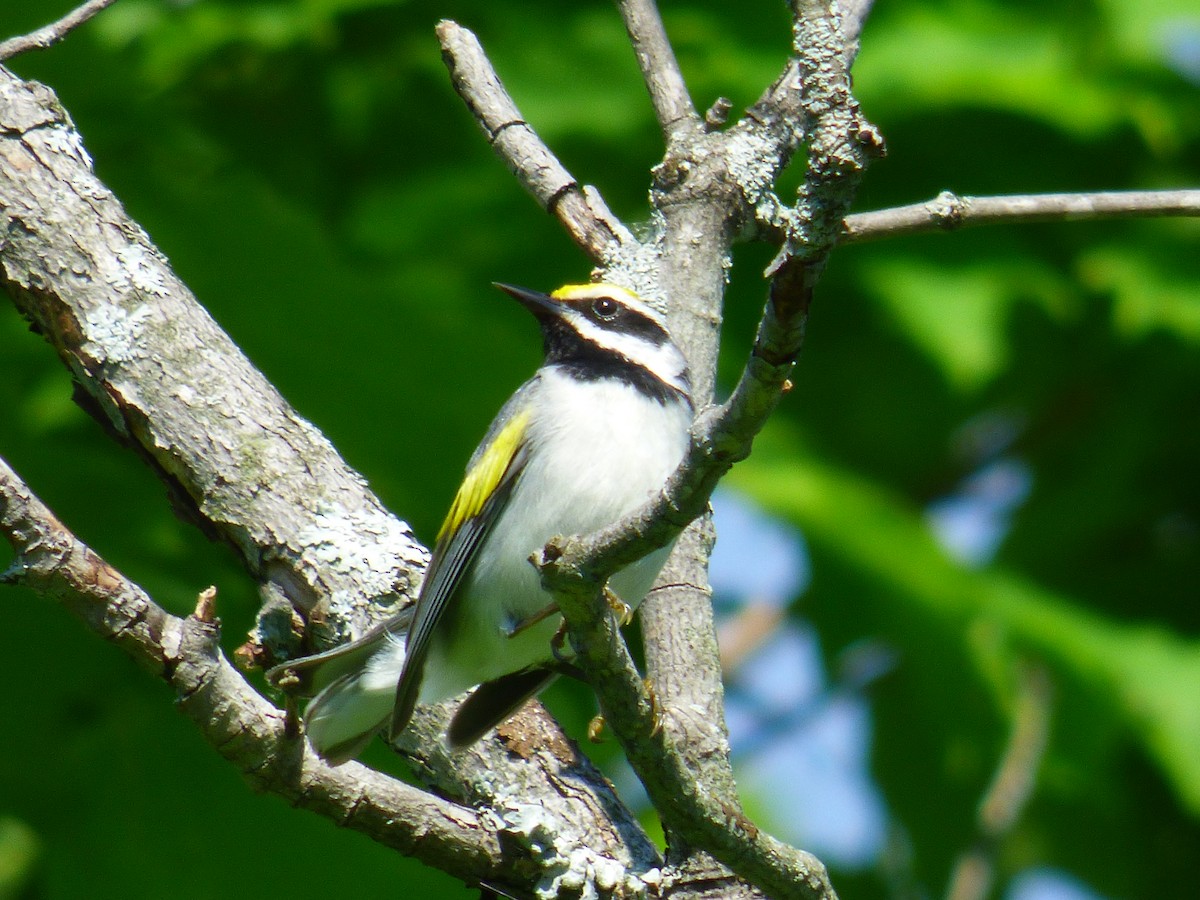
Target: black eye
<point>605,308</point>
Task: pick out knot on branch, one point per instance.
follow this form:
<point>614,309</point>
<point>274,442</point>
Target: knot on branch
<point>718,114</point>
<point>561,563</point>
<point>871,140</point>
<point>948,210</point>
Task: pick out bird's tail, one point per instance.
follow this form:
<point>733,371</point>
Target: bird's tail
<point>356,690</point>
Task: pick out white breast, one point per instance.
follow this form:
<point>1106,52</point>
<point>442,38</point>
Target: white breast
<point>599,450</point>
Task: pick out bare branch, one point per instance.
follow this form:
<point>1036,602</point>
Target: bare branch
<point>580,208</point>
<point>841,142</point>
<point>239,723</point>
<point>1012,786</point>
<point>243,463</point>
<point>949,211</point>
<point>238,461</point>
<point>54,32</point>
<point>810,100</point>
<point>574,568</point>
<point>660,70</point>
<point>854,15</point>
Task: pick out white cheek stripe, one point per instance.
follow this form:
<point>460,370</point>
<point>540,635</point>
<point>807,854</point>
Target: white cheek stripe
<point>663,360</point>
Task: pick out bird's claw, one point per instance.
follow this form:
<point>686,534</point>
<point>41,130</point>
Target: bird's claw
<point>595,729</point>
<point>622,610</point>
<point>656,712</point>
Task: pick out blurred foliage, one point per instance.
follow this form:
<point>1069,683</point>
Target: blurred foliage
<point>313,178</point>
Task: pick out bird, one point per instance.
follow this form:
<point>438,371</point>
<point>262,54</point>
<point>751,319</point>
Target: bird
<point>590,438</point>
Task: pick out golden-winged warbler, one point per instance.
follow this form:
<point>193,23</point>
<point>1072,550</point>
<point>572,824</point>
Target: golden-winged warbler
<point>588,439</point>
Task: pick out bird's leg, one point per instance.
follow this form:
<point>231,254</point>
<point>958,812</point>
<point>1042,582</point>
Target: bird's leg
<point>540,616</point>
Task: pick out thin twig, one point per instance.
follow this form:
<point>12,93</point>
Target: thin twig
<point>52,33</point>
<point>1011,787</point>
<point>244,727</point>
<point>949,211</point>
<point>580,208</point>
<point>668,92</point>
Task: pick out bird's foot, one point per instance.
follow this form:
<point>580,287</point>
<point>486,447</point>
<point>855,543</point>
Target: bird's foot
<point>622,610</point>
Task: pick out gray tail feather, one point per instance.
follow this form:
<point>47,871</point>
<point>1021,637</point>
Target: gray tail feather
<point>493,702</point>
<point>351,702</point>
<point>341,720</point>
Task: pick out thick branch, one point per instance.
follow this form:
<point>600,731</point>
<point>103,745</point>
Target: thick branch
<point>949,211</point>
<point>660,70</point>
<point>580,208</point>
<point>242,463</point>
<point>244,728</point>
<point>159,373</point>
<point>54,32</point>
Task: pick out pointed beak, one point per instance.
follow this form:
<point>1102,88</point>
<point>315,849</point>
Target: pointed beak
<point>541,305</point>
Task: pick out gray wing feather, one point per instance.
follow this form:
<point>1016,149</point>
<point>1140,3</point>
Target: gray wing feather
<point>449,564</point>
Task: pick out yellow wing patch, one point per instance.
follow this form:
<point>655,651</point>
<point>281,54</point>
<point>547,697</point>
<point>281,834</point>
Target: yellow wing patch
<point>484,477</point>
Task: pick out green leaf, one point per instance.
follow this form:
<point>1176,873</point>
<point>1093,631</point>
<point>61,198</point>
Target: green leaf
<point>1146,677</point>
<point>958,313</point>
<point>19,852</point>
<point>1151,293</point>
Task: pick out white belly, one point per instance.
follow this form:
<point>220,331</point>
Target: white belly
<point>612,448</point>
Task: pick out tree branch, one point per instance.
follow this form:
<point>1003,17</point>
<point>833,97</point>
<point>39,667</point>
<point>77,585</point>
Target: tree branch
<point>854,15</point>
<point>575,568</point>
<point>238,461</point>
<point>1011,787</point>
<point>52,33</point>
<point>245,729</point>
<point>245,467</point>
<point>660,70</point>
<point>580,208</point>
<point>841,142</point>
<point>949,211</point>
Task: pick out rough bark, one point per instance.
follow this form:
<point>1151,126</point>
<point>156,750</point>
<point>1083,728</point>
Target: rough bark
<point>156,370</point>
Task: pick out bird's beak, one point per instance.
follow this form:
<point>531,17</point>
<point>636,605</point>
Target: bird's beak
<point>541,305</point>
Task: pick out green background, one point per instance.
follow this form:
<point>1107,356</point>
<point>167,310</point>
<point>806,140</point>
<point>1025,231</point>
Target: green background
<point>315,181</point>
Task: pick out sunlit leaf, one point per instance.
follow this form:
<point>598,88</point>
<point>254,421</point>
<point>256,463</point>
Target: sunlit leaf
<point>1150,677</point>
